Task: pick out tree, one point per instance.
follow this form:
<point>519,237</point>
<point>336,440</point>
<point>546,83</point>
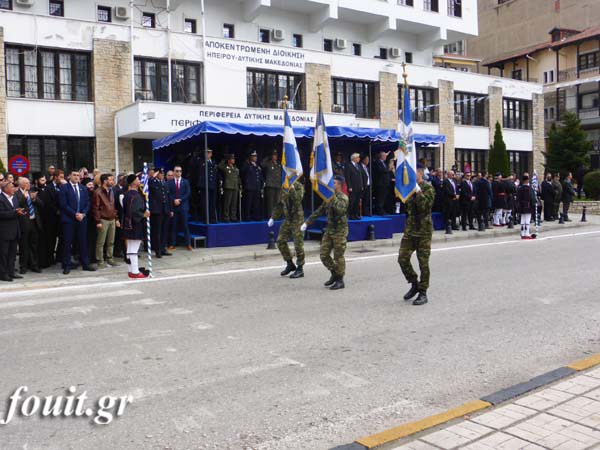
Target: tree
<point>498,159</point>
<point>2,168</point>
<point>568,146</point>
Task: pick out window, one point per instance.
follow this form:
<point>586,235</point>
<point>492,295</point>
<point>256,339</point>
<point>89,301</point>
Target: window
<point>67,153</point>
<point>354,97</point>
<point>297,40</point>
<point>327,45</point>
<point>383,53</point>
<point>589,61</point>
<point>549,76</point>
<point>406,2</point>
<point>5,4</point>
<point>152,81</point>
<point>518,162</point>
<point>469,109</point>
<point>48,73</point>
<point>267,89</point>
<point>56,8</point>
<point>455,8</point>
<point>455,48</point>
<point>516,114</point>
<point>422,101</point>
<point>475,158</point>
<point>148,20</point>
<point>189,26</point>
<point>264,36</point>
<point>431,5</point>
<point>589,101</point>
<point>228,31</point>
<point>408,57</point>
<point>356,49</point>
<point>517,74</point>
<point>104,14</point>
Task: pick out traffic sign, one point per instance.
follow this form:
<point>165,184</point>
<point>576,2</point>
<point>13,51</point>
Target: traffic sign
<point>18,165</point>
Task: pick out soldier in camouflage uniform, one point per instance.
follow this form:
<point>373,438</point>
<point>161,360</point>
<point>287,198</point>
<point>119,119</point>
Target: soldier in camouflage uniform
<point>417,237</point>
<point>290,208</point>
<point>335,234</point>
<point>230,176</point>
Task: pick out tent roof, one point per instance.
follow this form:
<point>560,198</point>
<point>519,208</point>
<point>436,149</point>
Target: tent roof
<point>373,134</point>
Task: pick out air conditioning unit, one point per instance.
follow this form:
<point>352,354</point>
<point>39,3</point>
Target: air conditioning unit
<point>395,52</point>
<point>25,2</point>
<point>341,44</point>
<point>121,12</point>
<point>278,34</point>
<point>337,108</point>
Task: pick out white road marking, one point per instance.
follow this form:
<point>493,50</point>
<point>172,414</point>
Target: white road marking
<point>202,326</point>
<point>180,311</point>
<point>76,325</point>
<point>281,362</point>
<point>346,379</point>
<point>85,310</point>
<point>146,302</point>
<point>65,298</point>
<point>64,289</point>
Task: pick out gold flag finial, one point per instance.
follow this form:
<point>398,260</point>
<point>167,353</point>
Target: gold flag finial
<point>404,74</point>
<point>285,102</point>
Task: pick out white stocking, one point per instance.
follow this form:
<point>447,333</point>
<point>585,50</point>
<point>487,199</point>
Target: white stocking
<point>132,253</point>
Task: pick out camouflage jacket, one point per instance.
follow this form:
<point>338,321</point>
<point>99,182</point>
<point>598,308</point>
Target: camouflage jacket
<point>230,176</point>
<point>290,204</point>
<point>418,207</point>
<point>336,211</point>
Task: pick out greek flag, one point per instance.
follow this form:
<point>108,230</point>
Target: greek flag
<point>406,157</point>
<point>534,181</point>
<point>145,180</point>
<point>290,158</point>
<point>321,169</point>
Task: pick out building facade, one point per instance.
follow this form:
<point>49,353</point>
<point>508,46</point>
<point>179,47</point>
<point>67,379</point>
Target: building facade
<point>92,83</point>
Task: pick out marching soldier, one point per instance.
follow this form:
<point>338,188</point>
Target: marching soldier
<point>272,171</point>
<point>231,188</point>
<point>417,237</point>
<point>290,208</point>
<point>335,234</point>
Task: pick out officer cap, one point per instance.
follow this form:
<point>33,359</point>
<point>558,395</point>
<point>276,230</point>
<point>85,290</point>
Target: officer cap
<point>230,156</point>
<point>253,153</point>
<point>339,178</point>
<point>498,174</point>
<point>274,152</point>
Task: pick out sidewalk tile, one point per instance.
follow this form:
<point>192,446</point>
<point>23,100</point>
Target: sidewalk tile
<point>593,394</point>
<point>469,430</point>
<point>583,410</point>
<point>578,385</point>
<point>416,445</point>
<point>583,434</point>
<point>504,416</point>
<point>594,373</point>
<point>501,441</point>
<point>446,439</point>
<point>544,399</point>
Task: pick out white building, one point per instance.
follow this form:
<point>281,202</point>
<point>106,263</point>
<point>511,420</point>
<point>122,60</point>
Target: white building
<point>69,66</point>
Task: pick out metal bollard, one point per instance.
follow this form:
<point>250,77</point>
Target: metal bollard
<point>271,245</point>
<point>371,236</point>
<point>583,217</point>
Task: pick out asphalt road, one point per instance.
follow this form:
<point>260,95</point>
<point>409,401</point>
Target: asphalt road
<point>236,357</point>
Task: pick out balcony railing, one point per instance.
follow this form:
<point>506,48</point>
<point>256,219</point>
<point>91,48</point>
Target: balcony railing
<point>571,73</point>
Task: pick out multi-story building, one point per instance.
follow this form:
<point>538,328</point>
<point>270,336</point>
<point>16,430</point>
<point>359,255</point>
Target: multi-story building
<point>86,81</point>
<point>559,48</point>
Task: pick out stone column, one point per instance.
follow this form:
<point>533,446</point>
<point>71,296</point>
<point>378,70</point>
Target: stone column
<point>494,110</point>
<point>388,100</point>
<point>539,141</point>
<point>446,114</point>
<point>112,92</point>
<point>317,73</point>
<point>3,137</point>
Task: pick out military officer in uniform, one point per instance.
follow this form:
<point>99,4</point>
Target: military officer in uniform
<point>211,171</point>
<point>417,237</point>
<point>557,187</point>
<point>290,208</point>
<point>339,168</point>
<point>230,176</point>
<point>160,212</point>
<point>335,234</point>
<point>272,172</point>
<point>253,184</point>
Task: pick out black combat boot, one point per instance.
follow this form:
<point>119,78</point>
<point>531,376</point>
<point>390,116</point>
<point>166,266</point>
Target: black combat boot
<point>288,269</point>
<point>339,284</point>
<point>414,290</point>
<point>331,280</point>
<point>299,273</point>
<point>421,299</point>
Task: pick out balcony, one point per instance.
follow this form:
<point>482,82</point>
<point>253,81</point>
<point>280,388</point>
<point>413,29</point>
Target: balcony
<point>571,73</point>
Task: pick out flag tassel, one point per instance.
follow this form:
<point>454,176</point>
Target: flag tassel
<point>405,177</point>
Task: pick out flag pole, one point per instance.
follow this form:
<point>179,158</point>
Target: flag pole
<point>148,230</point>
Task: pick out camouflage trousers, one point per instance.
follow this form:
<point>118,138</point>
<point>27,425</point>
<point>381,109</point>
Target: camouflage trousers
<point>337,243</point>
<point>422,245</point>
<point>288,231</point>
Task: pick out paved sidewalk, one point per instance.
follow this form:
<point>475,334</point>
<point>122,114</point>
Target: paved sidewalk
<point>561,416</point>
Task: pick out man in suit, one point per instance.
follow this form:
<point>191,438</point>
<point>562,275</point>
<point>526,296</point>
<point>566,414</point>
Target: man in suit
<point>55,234</point>
<point>568,194</point>
<point>208,167</point>
<point>381,182</point>
<point>48,214</point>
<point>9,231</point>
<point>160,212</point>
<point>467,202</point>
<point>450,202</point>
<point>355,186</point>
<point>365,171</point>
<point>483,192</point>
<point>252,183</point>
<point>548,198</point>
<point>74,203</point>
<point>179,192</point>
<point>29,227</point>
<point>437,180</point>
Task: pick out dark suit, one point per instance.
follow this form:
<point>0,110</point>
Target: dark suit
<point>73,229</point>
<point>467,191</point>
<point>53,225</point>
<point>119,249</point>
<point>355,189</point>
<point>548,197</point>
<point>160,212</point>
<point>181,212</point>
<point>9,235</point>
<point>483,192</point>
<point>449,191</point>
<point>49,214</point>
<point>381,185</point>
<point>253,183</point>
<point>29,228</point>
<point>438,202</point>
<point>211,169</point>
<point>367,190</point>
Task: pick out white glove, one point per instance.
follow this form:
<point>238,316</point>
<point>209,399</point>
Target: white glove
<point>418,189</point>
<point>270,223</point>
<point>303,227</point>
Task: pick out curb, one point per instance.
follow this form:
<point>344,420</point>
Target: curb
<point>381,439</point>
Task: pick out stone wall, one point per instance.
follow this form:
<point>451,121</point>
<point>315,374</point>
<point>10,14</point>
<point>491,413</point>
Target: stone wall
<point>388,100</point>
<point>494,110</point>
<point>446,117</point>
<point>318,73</point>
<point>539,141</point>
<point>112,91</point>
<point>3,139</point>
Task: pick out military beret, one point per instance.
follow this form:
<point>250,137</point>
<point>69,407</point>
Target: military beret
<point>339,178</point>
